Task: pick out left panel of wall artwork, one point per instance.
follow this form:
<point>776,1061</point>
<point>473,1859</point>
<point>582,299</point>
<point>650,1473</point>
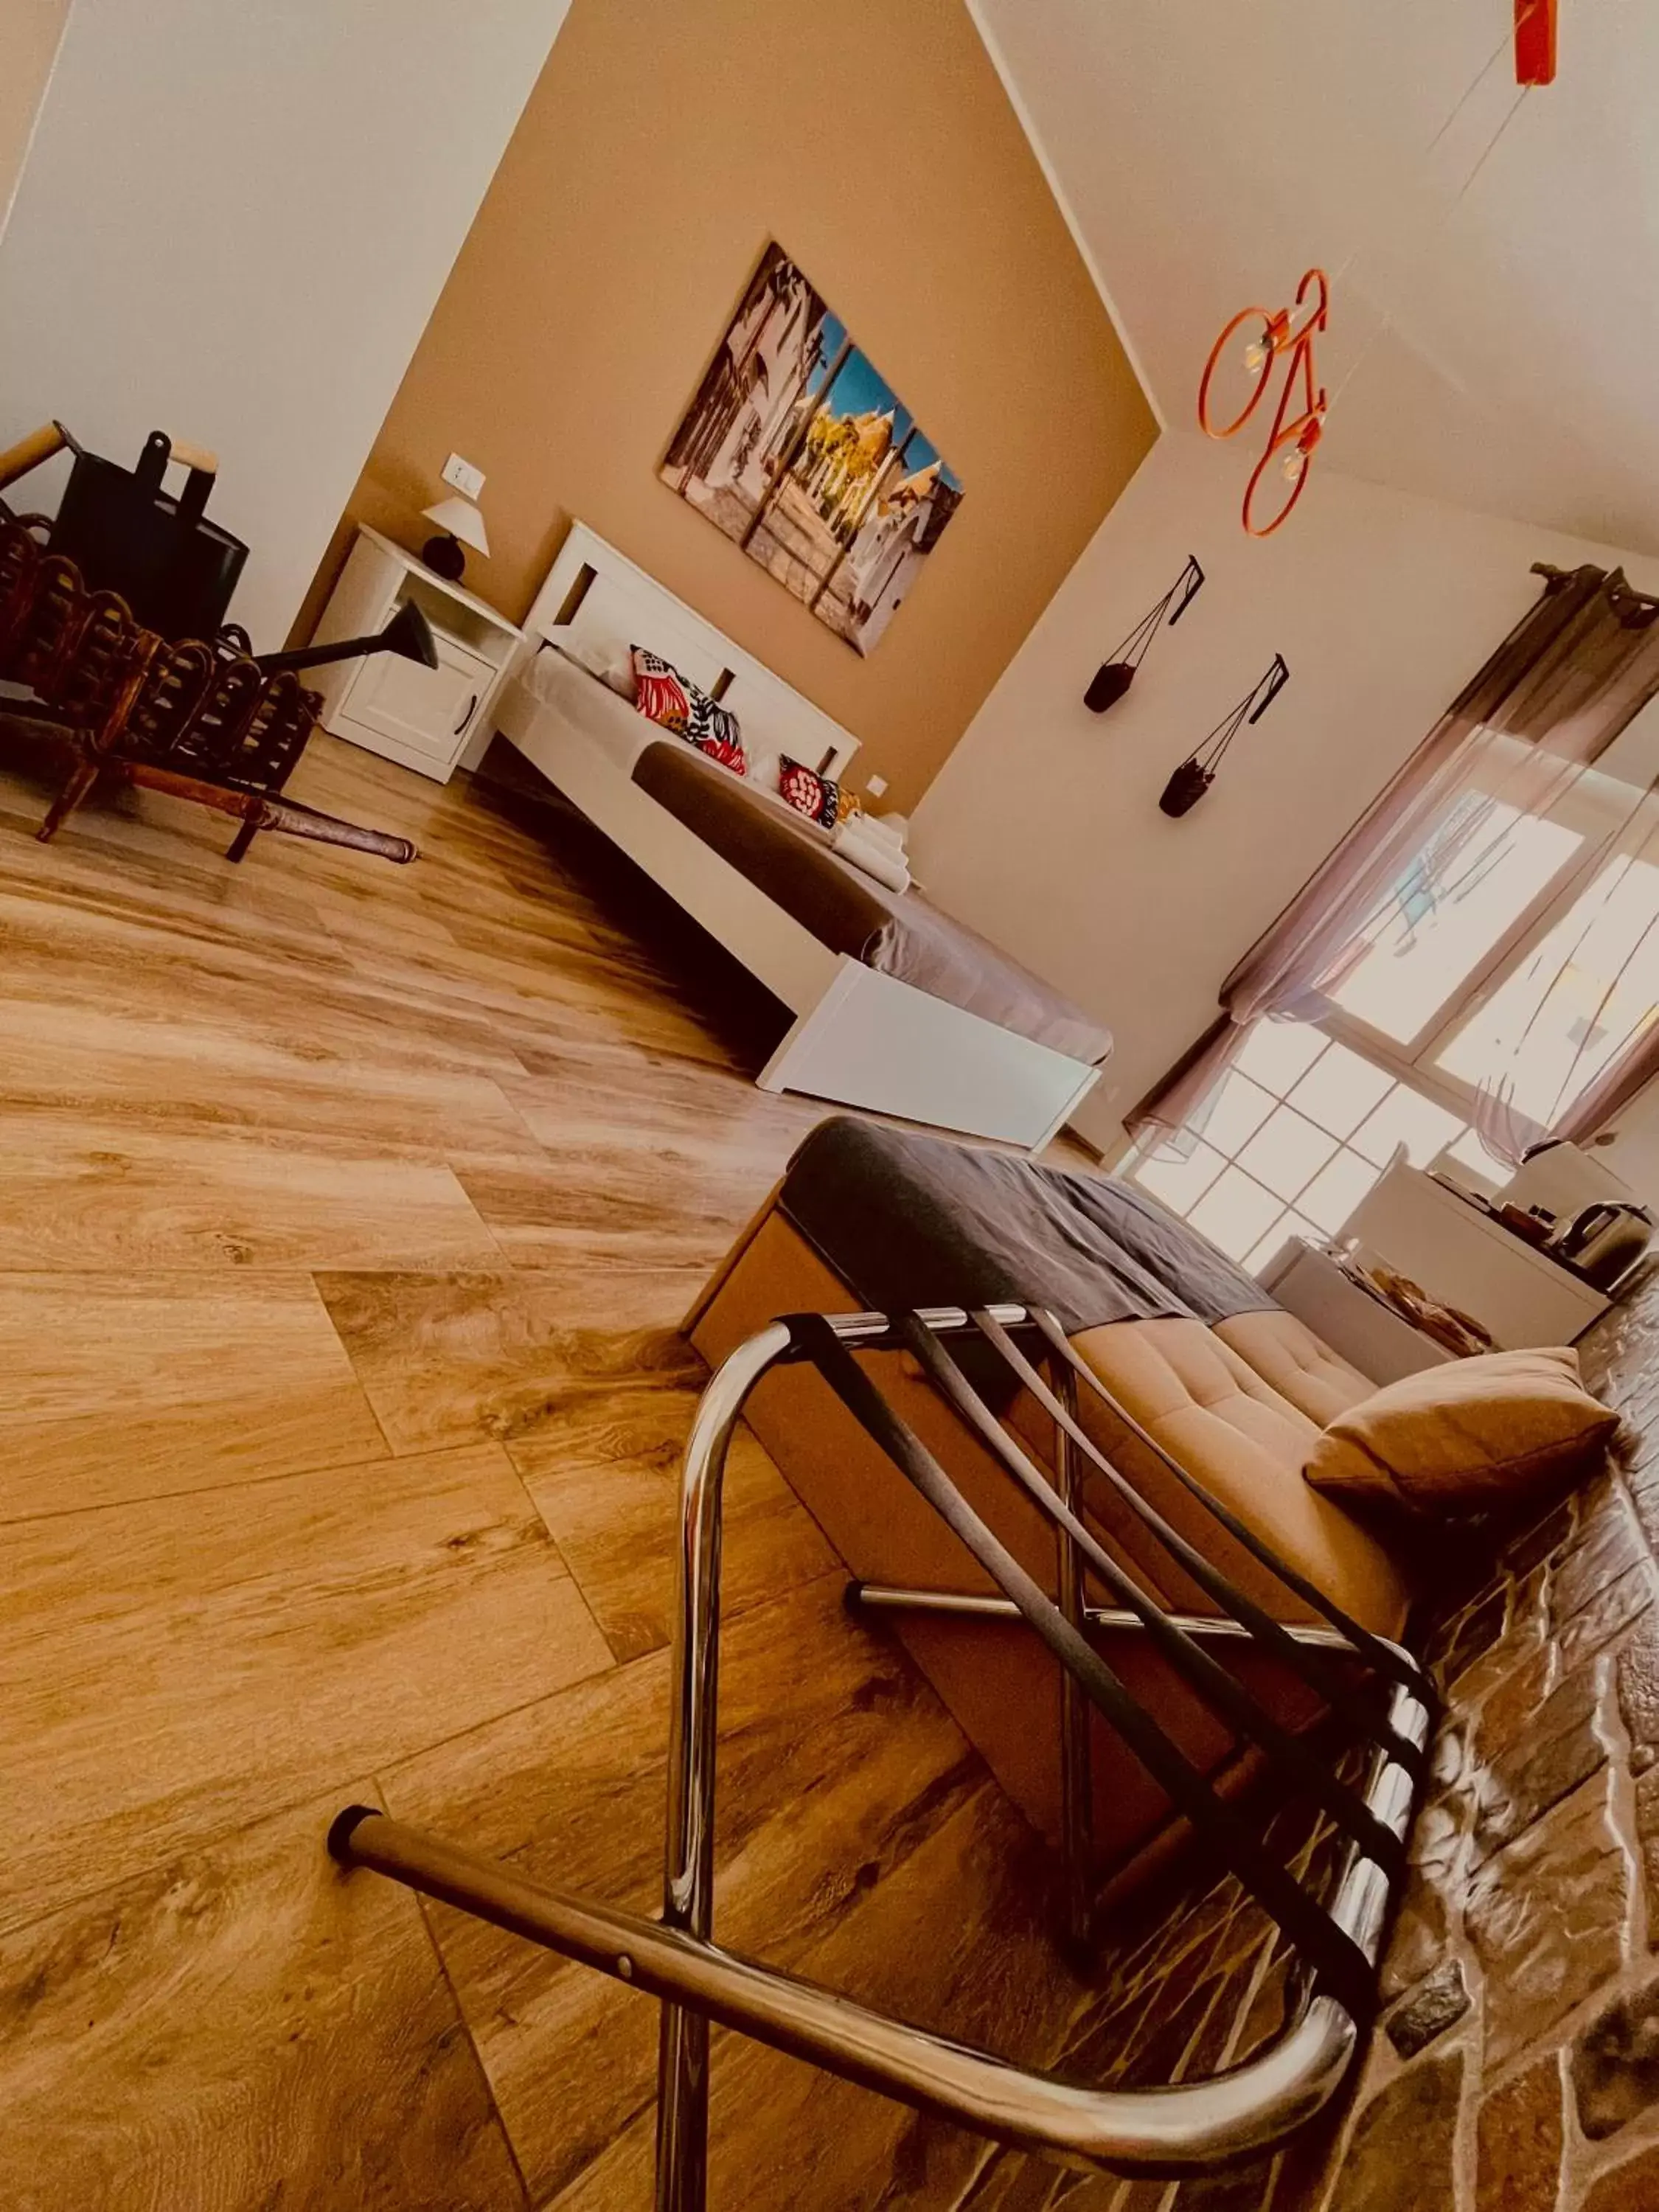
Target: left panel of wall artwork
<point>232,225</point>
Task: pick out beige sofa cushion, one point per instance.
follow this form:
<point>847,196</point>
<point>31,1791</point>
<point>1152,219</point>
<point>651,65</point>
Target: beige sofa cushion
<point>1473,1436</point>
<point>1233,1432</point>
<point>1002,1684</point>
<point>1287,1355</point>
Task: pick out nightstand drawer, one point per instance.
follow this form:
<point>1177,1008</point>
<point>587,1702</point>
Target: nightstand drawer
<point>428,711</point>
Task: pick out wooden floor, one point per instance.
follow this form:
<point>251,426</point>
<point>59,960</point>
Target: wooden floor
<point>346,1216</point>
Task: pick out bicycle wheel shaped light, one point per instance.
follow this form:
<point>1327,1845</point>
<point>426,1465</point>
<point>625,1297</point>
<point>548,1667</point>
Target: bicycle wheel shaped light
<point>1241,366</point>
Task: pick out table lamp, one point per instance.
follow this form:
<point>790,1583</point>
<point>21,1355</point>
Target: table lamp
<point>459,524</point>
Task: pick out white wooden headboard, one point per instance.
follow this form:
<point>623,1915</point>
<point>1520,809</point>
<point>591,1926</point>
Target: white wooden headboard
<point>602,597</point>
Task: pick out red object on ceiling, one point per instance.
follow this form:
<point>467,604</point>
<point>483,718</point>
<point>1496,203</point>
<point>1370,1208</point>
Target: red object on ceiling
<point>1534,41</point>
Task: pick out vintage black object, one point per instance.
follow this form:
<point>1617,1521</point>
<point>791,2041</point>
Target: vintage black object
<point>1603,1240</point>
<point>174,568</point>
<point>1114,677</point>
<point>1193,778</point>
<point>408,634</point>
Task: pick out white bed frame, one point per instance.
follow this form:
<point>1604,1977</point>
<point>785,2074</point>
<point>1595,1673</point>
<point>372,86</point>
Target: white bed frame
<point>859,1037</point>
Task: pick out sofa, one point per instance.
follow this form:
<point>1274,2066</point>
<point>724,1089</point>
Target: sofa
<point>1193,1351</point>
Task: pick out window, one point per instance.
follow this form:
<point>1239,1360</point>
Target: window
<point>1446,916</point>
<point>1291,1140</point>
<point>1521,949</point>
<point>1591,985</point>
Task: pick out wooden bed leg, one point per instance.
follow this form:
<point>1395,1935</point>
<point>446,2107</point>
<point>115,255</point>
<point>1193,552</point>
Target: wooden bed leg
<point>244,838</point>
<point>82,779</point>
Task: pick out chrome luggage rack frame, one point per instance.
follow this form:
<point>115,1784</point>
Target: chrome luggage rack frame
<point>1172,2130</point>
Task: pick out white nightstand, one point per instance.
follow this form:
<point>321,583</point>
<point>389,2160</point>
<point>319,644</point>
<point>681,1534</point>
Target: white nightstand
<point>420,717</point>
<point>1462,1255</point>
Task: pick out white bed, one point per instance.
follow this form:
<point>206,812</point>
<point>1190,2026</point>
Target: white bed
<point>859,1037</point>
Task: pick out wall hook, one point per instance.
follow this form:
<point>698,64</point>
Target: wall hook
<point>1114,677</point>
<point>1188,783</point>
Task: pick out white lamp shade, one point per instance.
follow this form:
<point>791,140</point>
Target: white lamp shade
<point>461,519</point>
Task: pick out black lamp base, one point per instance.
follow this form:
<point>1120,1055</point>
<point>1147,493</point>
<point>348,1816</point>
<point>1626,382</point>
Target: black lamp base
<point>445,557</point>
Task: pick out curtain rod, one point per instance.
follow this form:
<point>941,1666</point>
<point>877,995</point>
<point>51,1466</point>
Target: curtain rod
<point>1551,574</point>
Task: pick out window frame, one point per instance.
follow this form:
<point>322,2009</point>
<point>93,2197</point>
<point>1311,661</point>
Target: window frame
<point>1602,811</point>
<point>1589,807</point>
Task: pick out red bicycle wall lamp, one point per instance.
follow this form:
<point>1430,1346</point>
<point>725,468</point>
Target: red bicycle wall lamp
<point>1243,364</point>
<point>1534,41</point>
<point>1245,358</point>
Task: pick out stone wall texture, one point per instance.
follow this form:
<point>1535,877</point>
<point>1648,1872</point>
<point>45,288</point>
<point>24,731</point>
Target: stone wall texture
<point>1515,2068</point>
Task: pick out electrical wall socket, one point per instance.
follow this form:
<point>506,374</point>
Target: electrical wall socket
<point>876,786</point>
<point>467,480</point>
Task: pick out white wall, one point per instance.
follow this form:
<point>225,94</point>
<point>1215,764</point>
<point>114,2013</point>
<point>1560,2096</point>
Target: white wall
<point>1044,829</point>
<point>232,224</point>
<point>29,33</point>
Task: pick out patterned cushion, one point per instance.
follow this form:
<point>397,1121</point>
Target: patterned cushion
<point>715,730</point>
<point>812,794</point>
<point>665,696</point>
<point>660,691</point>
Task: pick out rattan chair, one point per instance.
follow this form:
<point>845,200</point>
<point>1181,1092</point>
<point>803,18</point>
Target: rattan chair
<point>200,720</point>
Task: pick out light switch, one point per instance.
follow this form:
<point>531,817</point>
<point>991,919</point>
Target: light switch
<point>467,480</point>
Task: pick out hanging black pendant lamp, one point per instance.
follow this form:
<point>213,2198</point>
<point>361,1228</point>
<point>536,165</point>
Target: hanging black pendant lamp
<point>1114,677</point>
<point>1188,783</point>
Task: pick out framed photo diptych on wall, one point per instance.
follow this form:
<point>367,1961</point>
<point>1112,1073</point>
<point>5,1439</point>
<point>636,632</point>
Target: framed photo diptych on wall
<point>796,447</point>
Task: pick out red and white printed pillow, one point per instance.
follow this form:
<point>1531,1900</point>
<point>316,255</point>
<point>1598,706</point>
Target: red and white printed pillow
<point>660,691</point>
<point>815,796</point>
<point>663,695</point>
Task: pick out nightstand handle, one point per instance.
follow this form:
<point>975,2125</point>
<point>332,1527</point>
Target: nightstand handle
<point>472,710</point>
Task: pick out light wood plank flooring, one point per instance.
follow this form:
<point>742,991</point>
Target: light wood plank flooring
<point>347,1215</point>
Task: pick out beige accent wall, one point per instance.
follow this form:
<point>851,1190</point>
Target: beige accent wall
<point>29,33</point>
<point>661,149</point>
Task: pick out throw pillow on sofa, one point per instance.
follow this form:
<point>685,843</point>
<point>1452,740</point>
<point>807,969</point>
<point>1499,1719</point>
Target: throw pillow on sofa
<point>1475,1436</point>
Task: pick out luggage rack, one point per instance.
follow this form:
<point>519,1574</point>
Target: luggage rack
<point>1165,2130</point>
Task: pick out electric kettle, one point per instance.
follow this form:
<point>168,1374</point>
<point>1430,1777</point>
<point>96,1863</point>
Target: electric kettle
<point>1603,1242</point>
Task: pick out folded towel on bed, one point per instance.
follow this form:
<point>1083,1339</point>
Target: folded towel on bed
<point>886,863</point>
<point>887,827</point>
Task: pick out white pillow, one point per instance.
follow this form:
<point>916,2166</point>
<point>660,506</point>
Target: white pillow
<point>612,664</point>
<point>765,769</point>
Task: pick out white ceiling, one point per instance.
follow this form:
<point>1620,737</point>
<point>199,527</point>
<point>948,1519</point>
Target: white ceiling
<point>1505,347</point>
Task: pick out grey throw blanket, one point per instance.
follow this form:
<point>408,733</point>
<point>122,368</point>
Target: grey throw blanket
<point>912,1221</point>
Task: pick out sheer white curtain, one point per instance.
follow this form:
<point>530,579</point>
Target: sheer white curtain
<point>1572,1033</point>
<point>1467,816</point>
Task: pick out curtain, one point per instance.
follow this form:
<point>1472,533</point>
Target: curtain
<point>1577,1039</point>
<point>1570,676</point>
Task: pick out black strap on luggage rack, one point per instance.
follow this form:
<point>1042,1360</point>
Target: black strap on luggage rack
<point>1172,2129</point>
